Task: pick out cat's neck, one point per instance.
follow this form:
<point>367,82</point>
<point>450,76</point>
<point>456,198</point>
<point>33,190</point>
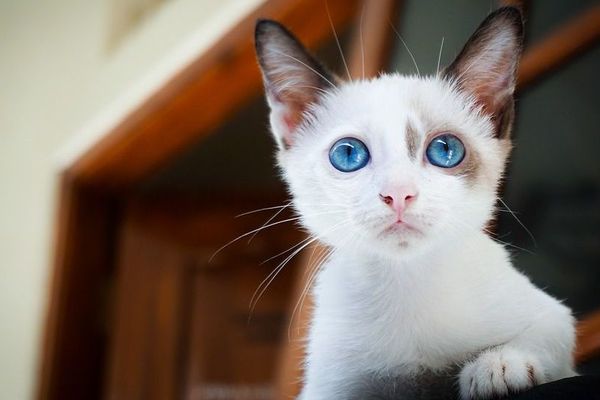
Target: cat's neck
<point>363,266</point>
<point>379,288</point>
<point>433,254</point>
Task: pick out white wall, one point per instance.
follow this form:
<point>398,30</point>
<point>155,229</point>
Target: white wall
<point>56,75</point>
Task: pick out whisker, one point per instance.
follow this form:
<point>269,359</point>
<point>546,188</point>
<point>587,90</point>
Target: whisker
<point>302,241</point>
<point>312,254</point>
<point>493,236</point>
<point>285,251</point>
<point>268,225</point>
<point>337,41</point>
<point>318,89</point>
<point>362,47</point>
<point>323,257</point>
<point>437,70</point>
<point>250,233</point>
<point>495,239</point>
<point>263,209</point>
<point>304,294</point>
<point>313,273</point>
<point>288,204</point>
<point>307,66</point>
<point>266,222</point>
<point>405,46</point>
<point>519,221</point>
<point>285,80</point>
<point>273,274</point>
<point>269,279</point>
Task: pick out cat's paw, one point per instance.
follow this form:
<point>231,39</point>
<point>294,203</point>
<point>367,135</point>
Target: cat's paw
<point>498,372</point>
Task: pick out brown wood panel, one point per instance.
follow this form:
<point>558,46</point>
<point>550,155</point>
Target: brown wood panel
<point>154,289</point>
<point>197,100</point>
<point>588,338</point>
<point>75,335</point>
<point>187,108</point>
<point>561,46</point>
<point>371,45</point>
<point>182,326</point>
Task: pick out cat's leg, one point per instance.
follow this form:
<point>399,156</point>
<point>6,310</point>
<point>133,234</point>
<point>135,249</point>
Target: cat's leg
<point>541,353</point>
<point>331,371</point>
<point>328,383</point>
<point>498,371</point>
<point>321,390</point>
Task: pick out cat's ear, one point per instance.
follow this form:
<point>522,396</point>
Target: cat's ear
<point>486,68</point>
<point>293,78</point>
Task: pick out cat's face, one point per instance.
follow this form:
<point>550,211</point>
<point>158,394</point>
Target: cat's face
<point>399,200</point>
<point>396,164</point>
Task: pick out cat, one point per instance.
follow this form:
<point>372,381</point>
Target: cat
<point>399,176</point>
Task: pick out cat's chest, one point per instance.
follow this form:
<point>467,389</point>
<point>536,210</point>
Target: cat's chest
<point>391,321</point>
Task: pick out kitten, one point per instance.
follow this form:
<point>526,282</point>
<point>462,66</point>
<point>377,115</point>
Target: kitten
<point>399,175</point>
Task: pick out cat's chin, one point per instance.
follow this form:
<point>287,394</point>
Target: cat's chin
<point>392,242</point>
<point>393,245</point>
<point>401,231</point>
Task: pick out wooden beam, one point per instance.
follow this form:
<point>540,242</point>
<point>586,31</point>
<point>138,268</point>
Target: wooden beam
<point>372,42</point>
<point>588,338</point>
<point>73,349</point>
<point>184,110</point>
<point>202,96</point>
<point>522,4</point>
<point>561,46</point>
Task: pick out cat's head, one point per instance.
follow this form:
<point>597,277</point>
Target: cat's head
<point>394,164</point>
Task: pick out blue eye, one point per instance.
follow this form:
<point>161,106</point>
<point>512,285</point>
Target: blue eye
<point>445,151</point>
<point>348,154</point>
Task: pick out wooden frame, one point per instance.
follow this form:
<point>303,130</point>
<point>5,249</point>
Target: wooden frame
<point>564,44</point>
<point>588,338</point>
<point>201,96</point>
<point>72,364</point>
<point>179,113</point>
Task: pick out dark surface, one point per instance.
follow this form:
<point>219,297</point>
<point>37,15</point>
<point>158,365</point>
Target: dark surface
<point>443,387</point>
<point>579,387</point>
<point>423,385</point>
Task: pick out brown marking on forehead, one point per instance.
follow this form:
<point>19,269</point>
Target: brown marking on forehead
<point>412,141</point>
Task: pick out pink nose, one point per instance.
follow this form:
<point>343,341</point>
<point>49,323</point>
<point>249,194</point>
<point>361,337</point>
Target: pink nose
<point>399,200</point>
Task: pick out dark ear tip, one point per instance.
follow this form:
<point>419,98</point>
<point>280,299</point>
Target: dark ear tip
<point>511,13</point>
<point>261,27</point>
<point>264,26</point>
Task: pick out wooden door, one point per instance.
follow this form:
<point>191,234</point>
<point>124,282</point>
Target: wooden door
<point>182,327</point>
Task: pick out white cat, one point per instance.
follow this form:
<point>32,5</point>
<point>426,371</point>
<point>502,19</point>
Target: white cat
<point>399,175</point>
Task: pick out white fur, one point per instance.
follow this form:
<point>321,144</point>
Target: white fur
<point>405,301</point>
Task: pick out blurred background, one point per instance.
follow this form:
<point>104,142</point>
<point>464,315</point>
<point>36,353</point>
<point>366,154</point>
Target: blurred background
<point>135,132</point>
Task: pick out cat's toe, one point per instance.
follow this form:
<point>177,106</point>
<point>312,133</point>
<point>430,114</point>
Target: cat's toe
<point>499,372</point>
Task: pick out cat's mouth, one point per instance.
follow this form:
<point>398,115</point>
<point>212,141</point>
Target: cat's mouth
<point>400,227</point>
